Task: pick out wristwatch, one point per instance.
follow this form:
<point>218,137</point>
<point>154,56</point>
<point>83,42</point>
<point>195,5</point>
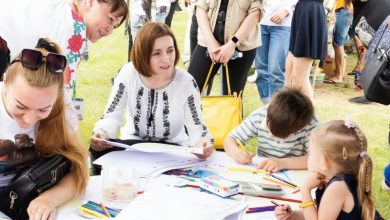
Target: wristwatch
<point>235,39</point>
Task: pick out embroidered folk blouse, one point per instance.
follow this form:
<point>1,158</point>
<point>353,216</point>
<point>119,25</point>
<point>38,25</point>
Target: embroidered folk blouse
<point>171,114</point>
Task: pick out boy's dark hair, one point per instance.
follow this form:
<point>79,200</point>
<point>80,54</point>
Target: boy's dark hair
<point>288,112</point>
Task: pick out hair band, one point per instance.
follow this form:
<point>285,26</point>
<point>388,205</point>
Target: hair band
<point>363,153</point>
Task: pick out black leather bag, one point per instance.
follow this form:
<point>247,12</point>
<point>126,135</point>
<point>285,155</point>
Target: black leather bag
<point>31,182</point>
<point>375,78</point>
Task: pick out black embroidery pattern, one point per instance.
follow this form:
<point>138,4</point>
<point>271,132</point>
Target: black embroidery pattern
<point>204,131</point>
<point>137,116</point>
<point>116,100</point>
<point>194,113</point>
<point>154,115</point>
<point>166,123</point>
<point>195,85</point>
<point>148,114</point>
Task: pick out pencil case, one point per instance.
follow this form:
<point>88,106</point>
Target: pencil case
<point>219,186</point>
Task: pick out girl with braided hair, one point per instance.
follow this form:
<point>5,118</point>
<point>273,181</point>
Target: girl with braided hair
<point>341,170</point>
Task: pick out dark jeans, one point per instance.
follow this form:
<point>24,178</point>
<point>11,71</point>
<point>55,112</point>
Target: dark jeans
<point>4,57</point>
<point>193,34</point>
<point>168,19</point>
<point>238,69</point>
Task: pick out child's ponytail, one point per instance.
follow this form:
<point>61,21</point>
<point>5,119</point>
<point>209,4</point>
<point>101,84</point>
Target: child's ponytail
<point>365,180</point>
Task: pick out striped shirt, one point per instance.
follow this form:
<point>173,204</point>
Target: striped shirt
<point>269,146</point>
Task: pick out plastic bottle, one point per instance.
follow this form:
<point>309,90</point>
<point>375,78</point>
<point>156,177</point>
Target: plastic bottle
<point>236,55</point>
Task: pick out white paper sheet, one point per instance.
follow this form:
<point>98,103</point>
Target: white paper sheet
<point>156,147</point>
<point>149,164</point>
<point>183,203</point>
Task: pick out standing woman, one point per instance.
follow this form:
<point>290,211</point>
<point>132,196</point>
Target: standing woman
<point>226,26</point>
<point>32,104</point>
<point>308,41</point>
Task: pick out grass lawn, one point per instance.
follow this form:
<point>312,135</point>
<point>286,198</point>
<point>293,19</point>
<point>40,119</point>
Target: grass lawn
<point>331,101</point>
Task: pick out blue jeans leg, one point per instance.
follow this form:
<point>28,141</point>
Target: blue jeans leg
<point>277,54</point>
<point>271,60</point>
<point>261,64</point>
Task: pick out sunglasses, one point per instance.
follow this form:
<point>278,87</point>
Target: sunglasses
<point>32,59</point>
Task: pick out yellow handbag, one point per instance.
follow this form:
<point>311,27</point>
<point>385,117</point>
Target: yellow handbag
<point>221,114</point>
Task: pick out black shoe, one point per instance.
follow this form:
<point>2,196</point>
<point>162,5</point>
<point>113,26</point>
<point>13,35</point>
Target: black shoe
<point>359,100</point>
<point>177,8</point>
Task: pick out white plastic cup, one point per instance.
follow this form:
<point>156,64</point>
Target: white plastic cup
<point>119,184</point>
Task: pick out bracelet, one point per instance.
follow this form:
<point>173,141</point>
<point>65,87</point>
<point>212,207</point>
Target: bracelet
<point>306,204</point>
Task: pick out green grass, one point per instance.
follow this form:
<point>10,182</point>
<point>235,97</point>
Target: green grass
<point>331,101</point>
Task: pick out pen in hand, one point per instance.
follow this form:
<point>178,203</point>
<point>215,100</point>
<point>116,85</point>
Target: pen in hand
<point>278,204</point>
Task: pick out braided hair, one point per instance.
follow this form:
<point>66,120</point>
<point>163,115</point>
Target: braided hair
<point>345,144</point>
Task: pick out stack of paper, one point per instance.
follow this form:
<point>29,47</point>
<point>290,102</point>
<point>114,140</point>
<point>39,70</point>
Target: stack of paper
<point>156,147</point>
<point>171,203</point>
<point>147,164</point>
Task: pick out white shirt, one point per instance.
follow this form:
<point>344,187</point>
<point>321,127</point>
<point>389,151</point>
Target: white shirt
<point>23,22</point>
<point>156,115</point>
<point>272,6</point>
<point>8,129</point>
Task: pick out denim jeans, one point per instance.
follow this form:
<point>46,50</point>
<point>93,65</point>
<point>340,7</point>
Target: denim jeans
<point>342,26</point>
<point>271,60</point>
<point>138,15</point>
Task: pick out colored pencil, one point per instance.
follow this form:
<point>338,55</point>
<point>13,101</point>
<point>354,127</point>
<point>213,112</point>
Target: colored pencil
<point>282,199</point>
<point>283,180</point>
<point>108,208</point>
<point>92,212</point>
<point>105,210</point>
<point>278,182</point>
<point>275,203</point>
<point>97,208</point>
<point>239,169</point>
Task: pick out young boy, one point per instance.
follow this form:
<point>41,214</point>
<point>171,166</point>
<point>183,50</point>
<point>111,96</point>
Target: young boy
<point>282,130</point>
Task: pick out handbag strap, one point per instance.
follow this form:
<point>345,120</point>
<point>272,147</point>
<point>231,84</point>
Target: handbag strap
<point>380,39</point>
<point>208,78</point>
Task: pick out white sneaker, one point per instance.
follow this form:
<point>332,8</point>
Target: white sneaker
<point>252,78</point>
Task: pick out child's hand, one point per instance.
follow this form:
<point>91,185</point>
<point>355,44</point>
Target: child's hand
<point>271,165</point>
<point>243,157</point>
<point>283,212</point>
<point>314,180</point>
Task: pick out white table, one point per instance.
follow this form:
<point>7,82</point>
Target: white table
<point>94,193</point>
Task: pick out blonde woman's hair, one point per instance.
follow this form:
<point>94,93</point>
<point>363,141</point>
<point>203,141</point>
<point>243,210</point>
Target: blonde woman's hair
<point>346,145</point>
<point>53,136</point>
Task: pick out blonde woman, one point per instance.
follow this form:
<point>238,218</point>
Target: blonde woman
<point>32,104</point>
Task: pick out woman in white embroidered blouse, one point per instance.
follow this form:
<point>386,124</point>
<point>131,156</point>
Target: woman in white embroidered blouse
<point>162,102</point>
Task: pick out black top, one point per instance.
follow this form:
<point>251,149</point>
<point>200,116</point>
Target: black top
<point>352,186</point>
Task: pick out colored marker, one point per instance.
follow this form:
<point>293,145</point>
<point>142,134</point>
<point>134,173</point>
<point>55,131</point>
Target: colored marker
<point>277,204</point>
<point>261,209</point>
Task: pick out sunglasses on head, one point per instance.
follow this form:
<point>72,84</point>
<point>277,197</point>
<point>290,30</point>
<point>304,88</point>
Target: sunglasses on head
<point>32,59</point>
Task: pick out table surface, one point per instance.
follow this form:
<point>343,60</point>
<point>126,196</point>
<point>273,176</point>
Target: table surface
<point>94,193</point>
